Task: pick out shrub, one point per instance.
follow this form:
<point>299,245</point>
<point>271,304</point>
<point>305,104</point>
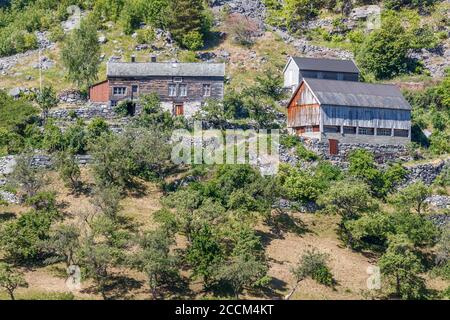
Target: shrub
<point>314,264</point>
<point>21,238</point>
<point>193,40</point>
<point>145,36</point>
<point>125,108</point>
<point>242,29</point>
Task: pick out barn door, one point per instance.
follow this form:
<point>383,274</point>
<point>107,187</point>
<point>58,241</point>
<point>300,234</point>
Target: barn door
<point>334,147</point>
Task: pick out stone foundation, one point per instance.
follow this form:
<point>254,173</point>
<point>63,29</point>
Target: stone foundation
<point>382,153</point>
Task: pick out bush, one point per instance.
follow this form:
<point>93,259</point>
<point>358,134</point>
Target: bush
<point>242,29</point>
<point>305,154</point>
<point>193,40</point>
<point>125,108</point>
<point>314,264</point>
<point>145,36</point>
<point>21,238</point>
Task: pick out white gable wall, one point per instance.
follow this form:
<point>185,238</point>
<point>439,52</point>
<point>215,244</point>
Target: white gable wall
<point>291,75</point>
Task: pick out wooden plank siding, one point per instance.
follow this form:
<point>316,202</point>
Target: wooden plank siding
<point>99,92</point>
<point>366,117</point>
<point>303,109</point>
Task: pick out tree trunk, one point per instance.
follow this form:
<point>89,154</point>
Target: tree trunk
<point>11,294</point>
<point>292,291</point>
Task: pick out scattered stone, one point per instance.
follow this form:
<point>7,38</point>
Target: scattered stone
<point>206,56</point>
<point>102,39</point>
<point>7,165</point>
<point>8,197</point>
<point>438,202</point>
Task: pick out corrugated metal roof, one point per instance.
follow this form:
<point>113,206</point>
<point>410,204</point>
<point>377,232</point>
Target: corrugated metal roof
<point>350,93</point>
<point>137,69</point>
<point>332,65</point>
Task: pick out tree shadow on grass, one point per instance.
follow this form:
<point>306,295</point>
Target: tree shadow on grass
<point>6,216</point>
<point>213,40</point>
<point>120,287</point>
<point>272,291</point>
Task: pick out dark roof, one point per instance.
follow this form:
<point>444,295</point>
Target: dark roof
<point>331,65</point>
<point>357,94</point>
<point>137,69</point>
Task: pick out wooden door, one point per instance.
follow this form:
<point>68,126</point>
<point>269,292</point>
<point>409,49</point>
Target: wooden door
<point>179,109</point>
<point>334,147</point>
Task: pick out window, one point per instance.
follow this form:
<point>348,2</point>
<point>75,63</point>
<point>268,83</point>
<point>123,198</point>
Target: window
<point>134,88</point>
<point>120,91</point>
<point>349,130</point>
<point>340,76</point>
<point>309,129</point>
<point>183,90</point>
<point>177,79</point>
<point>367,131</point>
<point>206,90</point>
<point>331,129</point>
<point>401,133</point>
<point>113,103</point>
<point>172,90</point>
<point>384,132</point>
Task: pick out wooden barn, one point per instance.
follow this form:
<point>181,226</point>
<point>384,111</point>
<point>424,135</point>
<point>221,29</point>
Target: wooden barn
<point>350,112</point>
<point>299,68</point>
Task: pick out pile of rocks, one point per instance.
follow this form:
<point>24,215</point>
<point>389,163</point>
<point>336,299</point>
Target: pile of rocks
<point>309,50</point>
<point>6,63</point>
<point>8,197</point>
<point>7,165</point>
<point>440,220</point>
<point>254,9</point>
<point>71,96</point>
<point>438,202</point>
<point>45,64</point>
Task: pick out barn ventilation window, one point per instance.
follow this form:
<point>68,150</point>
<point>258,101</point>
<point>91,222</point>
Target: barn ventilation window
<point>206,90</point>
<point>366,131</point>
<point>349,130</point>
<point>120,91</point>
<point>401,133</point>
<point>384,132</point>
<point>331,129</point>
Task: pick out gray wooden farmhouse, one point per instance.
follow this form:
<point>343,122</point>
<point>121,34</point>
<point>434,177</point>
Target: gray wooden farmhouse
<point>299,68</point>
<point>182,87</point>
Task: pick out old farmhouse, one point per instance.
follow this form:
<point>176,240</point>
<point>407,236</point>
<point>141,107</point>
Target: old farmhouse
<point>298,69</point>
<point>350,112</point>
<point>182,87</point>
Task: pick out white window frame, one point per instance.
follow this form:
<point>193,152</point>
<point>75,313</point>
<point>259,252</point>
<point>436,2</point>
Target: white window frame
<point>172,90</point>
<point>119,91</point>
<point>183,89</point>
<point>177,79</point>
